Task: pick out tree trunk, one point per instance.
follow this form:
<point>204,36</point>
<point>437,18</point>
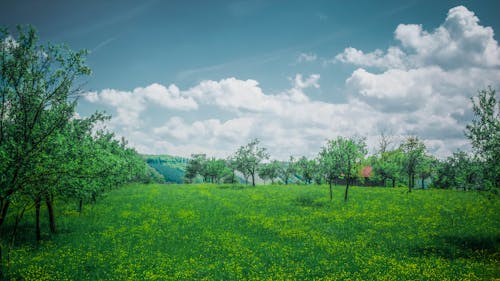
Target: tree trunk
<point>80,205</point>
<point>50,209</point>
<point>253,179</point>
<point>5,208</point>
<point>346,189</point>
<point>37,219</point>
<point>423,183</point>
<point>1,262</point>
<point>409,183</point>
<point>393,182</point>
<point>331,192</point>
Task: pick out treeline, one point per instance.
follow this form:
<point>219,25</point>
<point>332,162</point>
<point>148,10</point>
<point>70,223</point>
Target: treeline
<point>47,153</point>
<point>345,161</point>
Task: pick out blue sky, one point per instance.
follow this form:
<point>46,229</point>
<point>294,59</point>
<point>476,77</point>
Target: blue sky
<point>184,77</point>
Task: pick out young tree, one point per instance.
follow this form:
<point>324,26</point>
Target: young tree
<point>306,169</point>
<point>248,158</point>
<point>413,152</point>
<point>425,168</point>
<point>484,134</point>
<point>269,170</point>
<point>288,170</point>
<point>340,157</point>
<point>195,166</point>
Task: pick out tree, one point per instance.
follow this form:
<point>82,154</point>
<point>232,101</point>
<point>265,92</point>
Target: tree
<point>215,169</point>
<point>37,100</point>
<point>413,152</point>
<point>425,168</point>
<point>195,166</point>
<point>269,170</point>
<point>340,157</point>
<point>248,158</point>
<point>459,171</point>
<point>484,134</point>
<point>306,168</point>
<point>288,169</point>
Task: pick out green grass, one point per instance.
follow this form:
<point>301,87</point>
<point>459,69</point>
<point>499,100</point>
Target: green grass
<point>210,232</point>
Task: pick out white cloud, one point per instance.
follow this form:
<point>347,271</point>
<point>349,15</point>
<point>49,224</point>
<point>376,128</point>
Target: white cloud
<point>459,42</point>
<point>130,105</point>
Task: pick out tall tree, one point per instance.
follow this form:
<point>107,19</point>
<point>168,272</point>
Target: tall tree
<point>248,158</point>
<point>38,97</point>
<point>484,134</point>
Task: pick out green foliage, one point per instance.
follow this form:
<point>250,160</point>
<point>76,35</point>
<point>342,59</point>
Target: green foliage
<point>46,152</point>
<point>459,171</point>
<point>201,232</point>
<point>269,171</point>
<point>484,134</point>
<point>306,169</point>
<point>413,154</point>
<point>248,158</point>
<point>287,170</point>
<point>341,157</point>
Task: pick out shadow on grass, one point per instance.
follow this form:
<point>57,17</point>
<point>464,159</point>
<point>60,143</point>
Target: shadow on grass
<point>455,247</point>
<point>307,201</point>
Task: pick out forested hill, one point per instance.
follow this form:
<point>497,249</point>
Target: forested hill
<point>172,168</point>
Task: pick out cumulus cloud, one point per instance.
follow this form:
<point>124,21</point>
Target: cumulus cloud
<point>130,105</point>
<point>459,42</point>
<point>421,86</point>
<point>424,84</point>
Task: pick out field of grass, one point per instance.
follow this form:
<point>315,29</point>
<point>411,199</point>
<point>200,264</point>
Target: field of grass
<point>211,232</point>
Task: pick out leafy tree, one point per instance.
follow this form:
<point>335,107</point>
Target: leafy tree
<point>425,168</point>
<point>195,166</point>
<point>37,100</point>
<point>248,158</point>
<point>459,171</point>
<point>306,168</point>
<point>269,170</point>
<point>340,157</point>
<point>484,134</point>
<point>413,153</point>
<point>288,169</point>
<point>216,169</point>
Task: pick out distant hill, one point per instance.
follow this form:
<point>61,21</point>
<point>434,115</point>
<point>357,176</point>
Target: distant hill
<point>172,168</point>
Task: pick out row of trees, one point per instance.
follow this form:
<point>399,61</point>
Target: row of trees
<point>344,160</point>
<point>46,153</point>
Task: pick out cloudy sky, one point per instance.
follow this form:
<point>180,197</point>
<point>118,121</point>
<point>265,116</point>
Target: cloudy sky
<point>183,77</point>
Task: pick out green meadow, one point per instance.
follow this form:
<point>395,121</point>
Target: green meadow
<point>225,232</point>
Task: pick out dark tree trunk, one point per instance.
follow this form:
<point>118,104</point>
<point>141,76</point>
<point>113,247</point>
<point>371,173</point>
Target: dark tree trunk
<point>393,182</point>
<point>1,262</point>
<point>409,183</point>
<point>253,179</point>
<point>423,183</point>
<point>331,191</point>
<point>5,208</point>
<point>50,209</point>
<point>346,188</point>
<point>80,205</point>
<point>37,219</point>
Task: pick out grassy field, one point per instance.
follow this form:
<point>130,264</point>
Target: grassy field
<point>211,232</point>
